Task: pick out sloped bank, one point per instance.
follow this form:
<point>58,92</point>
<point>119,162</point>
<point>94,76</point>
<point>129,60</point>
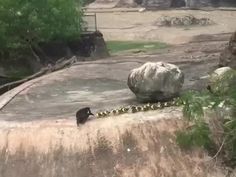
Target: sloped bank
<point>90,46</point>
<point>141,144</point>
<point>53,56</point>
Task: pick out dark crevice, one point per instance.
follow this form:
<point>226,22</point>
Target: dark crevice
<point>178,3</point>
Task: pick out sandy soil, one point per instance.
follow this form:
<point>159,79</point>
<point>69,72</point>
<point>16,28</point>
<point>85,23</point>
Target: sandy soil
<point>141,25</point>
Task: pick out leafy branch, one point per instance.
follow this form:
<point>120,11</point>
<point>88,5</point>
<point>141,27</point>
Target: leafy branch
<point>221,99</point>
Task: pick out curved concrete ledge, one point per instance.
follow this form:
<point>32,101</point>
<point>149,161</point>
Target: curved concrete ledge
<point>141,144</point>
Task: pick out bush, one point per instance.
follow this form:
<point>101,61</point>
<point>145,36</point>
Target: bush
<point>24,24</point>
<point>201,132</point>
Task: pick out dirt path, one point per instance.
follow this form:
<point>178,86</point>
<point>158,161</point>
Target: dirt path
<point>142,26</point>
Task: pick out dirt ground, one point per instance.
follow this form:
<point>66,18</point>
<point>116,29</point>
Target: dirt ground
<point>142,25</point>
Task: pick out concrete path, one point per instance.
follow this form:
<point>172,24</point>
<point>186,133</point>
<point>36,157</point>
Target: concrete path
<point>103,84</point>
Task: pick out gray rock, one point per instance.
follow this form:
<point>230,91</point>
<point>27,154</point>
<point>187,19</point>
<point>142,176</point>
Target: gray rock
<point>156,81</point>
<point>222,80</point>
<point>228,56</point>
<point>186,20</point>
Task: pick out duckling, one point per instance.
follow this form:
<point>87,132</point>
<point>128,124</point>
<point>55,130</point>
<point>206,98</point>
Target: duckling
<point>106,113</point>
<point>134,109</point>
<point>125,110</point>
<point>120,111</point>
<point>183,102</point>
<point>172,103</point>
<point>176,102</point>
<point>148,105</point>
<point>159,105</point>
<point>144,108</point>
<point>165,104</point>
<point>154,107</point>
<point>114,111</point>
<point>99,115</point>
<point>138,108</point>
<point>168,103</point>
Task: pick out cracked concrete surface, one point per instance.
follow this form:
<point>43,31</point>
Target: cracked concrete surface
<point>102,84</point>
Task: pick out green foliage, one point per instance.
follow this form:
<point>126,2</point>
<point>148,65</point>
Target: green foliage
<point>25,23</point>
<point>193,102</point>
<point>126,46</point>
<point>196,136</point>
<point>222,86</point>
<point>222,98</point>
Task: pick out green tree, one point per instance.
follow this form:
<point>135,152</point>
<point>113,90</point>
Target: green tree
<point>26,23</point>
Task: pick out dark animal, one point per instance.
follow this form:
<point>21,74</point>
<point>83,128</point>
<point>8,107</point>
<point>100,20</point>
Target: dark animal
<point>209,89</point>
<point>82,115</point>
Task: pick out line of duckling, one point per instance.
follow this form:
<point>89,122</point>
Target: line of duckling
<point>141,108</point>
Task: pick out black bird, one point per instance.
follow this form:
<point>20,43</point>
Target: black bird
<point>82,115</point>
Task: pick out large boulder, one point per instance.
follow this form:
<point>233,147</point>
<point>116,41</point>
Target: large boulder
<point>228,56</point>
<point>223,80</point>
<point>155,81</point>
